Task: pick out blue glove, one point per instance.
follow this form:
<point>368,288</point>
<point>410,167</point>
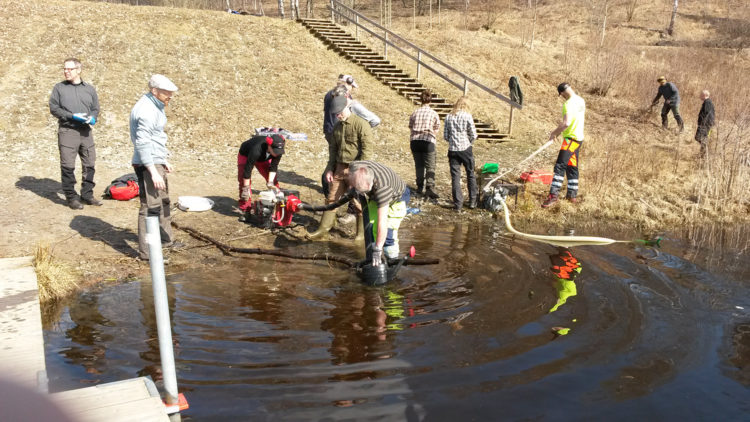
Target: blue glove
<point>80,117</point>
<point>92,120</point>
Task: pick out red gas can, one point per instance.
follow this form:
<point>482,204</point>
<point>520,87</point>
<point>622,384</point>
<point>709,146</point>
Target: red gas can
<point>538,176</point>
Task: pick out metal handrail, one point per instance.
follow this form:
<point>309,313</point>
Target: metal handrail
<point>336,7</point>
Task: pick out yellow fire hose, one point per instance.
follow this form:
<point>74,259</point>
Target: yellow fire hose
<point>564,241</point>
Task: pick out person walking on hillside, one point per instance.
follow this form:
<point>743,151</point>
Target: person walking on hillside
<point>571,129</point>
<point>76,106</point>
<point>263,153</point>
<point>351,141</point>
<point>147,122</point>
<point>460,132</point>
<point>706,120</point>
<point>671,95</point>
<point>424,124</point>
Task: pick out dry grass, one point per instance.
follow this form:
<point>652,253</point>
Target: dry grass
<point>241,72</point>
<point>56,280</point>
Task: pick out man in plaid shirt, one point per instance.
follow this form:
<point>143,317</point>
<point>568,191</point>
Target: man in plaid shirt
<point>424,124</point>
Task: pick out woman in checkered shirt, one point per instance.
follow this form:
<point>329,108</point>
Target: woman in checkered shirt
<point>460,132</point>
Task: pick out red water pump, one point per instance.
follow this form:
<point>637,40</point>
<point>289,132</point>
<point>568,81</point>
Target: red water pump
<point>273,209</point>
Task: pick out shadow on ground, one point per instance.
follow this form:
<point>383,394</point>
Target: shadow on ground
<point>45,188</point>
<point>97,229</point>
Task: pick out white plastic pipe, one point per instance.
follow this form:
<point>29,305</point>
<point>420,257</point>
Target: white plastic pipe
<point>161,304</point>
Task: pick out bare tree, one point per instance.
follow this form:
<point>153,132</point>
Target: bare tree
<point>670,30</point>
<point>631,6</point>
<point>605,13</point>
<point>533,25</point>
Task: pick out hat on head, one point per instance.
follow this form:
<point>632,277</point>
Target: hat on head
<point>277,144</point>
<point>661,79</point>
<point>349,80</point>
<point>562,87</point>
<point>338,104</point>
<point>161,82</point>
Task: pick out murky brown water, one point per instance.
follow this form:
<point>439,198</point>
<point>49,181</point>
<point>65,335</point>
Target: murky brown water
<point>653,334</point>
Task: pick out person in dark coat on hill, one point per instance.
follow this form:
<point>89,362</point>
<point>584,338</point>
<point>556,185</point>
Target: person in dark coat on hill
<point>671,95</point>
<point>706,120</point>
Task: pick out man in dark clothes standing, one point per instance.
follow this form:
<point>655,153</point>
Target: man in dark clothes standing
<point>76,106</point>
<point>264,153</point>
<point>671,95</point>
<point>706,120</point>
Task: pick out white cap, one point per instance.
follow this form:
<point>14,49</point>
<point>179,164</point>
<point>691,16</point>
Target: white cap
<point>161,82</point>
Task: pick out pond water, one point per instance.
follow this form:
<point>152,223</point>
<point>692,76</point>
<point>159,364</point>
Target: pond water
<point>652,334</point>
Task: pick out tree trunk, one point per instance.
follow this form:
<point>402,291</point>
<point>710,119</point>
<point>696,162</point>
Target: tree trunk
<point>533,26</point>
<point>604,22</point>
<point>670,30</point>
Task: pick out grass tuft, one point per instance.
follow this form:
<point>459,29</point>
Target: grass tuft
<point>56,280</point>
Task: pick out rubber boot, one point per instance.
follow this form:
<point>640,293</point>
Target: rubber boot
<point>360,236</point>
<point>326,224</point>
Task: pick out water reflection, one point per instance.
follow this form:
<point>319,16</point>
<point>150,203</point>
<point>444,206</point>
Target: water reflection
<point>467,339</point>
<point>565,268</point>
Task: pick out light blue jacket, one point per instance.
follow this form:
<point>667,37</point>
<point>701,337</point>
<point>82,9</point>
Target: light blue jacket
<point>147,121</point>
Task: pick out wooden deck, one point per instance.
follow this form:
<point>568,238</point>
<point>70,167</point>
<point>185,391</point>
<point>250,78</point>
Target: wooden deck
<point>22,358</point>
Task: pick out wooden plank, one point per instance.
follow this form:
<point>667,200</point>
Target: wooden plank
<point>21,338</point>
<point>128,400</point>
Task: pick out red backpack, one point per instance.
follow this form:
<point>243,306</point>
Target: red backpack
<point>124,188</point>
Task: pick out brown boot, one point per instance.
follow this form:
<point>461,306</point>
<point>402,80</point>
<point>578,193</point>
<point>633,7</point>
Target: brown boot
<point>326,224</point>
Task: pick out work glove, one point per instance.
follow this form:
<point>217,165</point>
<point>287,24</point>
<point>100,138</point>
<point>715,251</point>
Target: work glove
<point>245,193</point>
<point>92,121</point>
<point>81,117</point>
<point>377,256</point>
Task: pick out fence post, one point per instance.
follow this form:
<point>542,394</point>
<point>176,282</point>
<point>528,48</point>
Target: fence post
<point>161,305</point>
<point>510,123</point>
<point>385,46</point>
<point>466,86</point>
<point>356,27</point>
<point>419,63</point>
<point>333,17</point>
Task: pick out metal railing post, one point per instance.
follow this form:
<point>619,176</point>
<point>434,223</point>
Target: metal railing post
<point>419,63</point>
<point>385,46</point>
<point>161,305</point>
<point>333,17</point>
<point>466,86</point>
<point>356,27</point>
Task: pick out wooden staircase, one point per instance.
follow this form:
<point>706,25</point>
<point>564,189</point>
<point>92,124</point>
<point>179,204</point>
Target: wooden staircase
<point>346,45</point>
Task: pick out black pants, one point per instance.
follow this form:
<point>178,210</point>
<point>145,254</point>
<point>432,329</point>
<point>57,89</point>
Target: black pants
<point>457,159</point>
<point>424,164</point>
<point>566,165</point>
<point>675,108</point>
<point>74,143</point>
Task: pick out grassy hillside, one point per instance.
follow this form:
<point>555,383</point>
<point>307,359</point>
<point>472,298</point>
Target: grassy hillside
<point>236,73</point>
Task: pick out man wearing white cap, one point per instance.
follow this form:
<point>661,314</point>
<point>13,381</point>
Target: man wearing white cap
<point>147,121</point>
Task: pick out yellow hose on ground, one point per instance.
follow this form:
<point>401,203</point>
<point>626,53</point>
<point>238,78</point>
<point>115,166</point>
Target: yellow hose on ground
<point>564,241</point>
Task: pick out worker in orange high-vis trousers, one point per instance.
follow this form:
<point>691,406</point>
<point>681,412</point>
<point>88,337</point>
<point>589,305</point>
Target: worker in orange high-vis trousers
<point>566,268</point>
<point>571,129</point>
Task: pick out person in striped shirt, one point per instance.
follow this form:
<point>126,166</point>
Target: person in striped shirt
<point>424,124</point>
<point>460,132</point>
<point>387,198</point>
